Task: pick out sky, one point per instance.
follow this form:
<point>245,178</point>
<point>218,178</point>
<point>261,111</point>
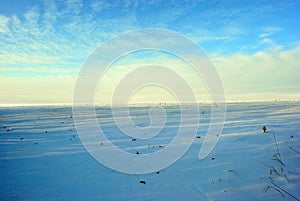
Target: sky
<point>255,46</point>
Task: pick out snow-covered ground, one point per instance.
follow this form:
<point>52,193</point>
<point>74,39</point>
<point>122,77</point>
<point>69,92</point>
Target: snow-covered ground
<point>42,158</point>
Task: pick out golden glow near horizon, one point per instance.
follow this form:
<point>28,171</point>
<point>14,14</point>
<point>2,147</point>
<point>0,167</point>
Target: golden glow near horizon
<point>152,92</point>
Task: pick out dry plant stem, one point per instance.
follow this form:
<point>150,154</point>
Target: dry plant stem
<point>277,147</point>
<point>275,186</point>
<point>269,187</point>
<point>272,182</point>
<point>293,149</point>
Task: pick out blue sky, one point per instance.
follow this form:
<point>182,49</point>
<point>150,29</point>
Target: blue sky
<point>254,44</point>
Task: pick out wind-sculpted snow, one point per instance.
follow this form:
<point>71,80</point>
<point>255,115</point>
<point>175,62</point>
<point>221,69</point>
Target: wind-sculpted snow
<point>42,158</point>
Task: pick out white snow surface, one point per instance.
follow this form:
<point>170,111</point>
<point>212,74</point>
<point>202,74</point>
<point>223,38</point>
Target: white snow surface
<point>42,158</point>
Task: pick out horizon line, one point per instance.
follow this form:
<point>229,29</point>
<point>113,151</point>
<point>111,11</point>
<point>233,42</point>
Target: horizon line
<point>139,103</point>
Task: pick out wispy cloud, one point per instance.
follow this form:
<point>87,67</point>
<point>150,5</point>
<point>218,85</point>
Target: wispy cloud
<point>268,31</point>
<point>266,41</point>
<point>60,35</point>
<point>42,70</point>
<point>29,59</point>
<point>4,24</point>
